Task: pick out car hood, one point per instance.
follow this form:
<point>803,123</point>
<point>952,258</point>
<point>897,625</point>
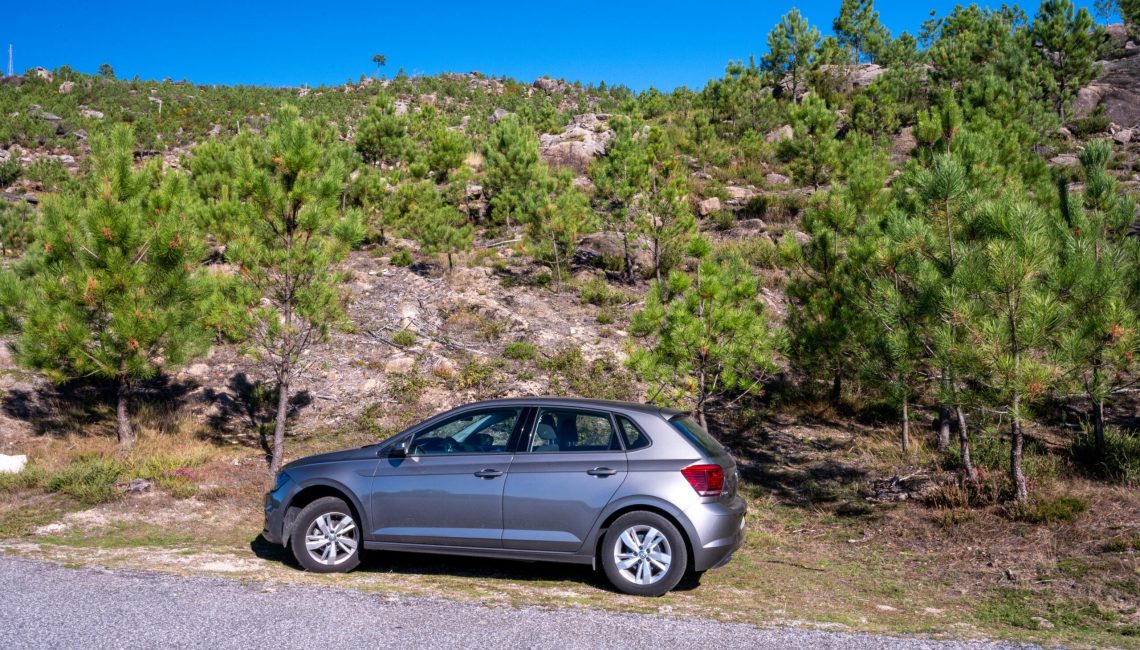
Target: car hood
<point>334,456</point>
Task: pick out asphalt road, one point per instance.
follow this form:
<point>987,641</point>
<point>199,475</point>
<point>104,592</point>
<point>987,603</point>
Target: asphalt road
<point>44,605</point>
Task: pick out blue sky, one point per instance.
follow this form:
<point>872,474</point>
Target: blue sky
<point>640,44</point>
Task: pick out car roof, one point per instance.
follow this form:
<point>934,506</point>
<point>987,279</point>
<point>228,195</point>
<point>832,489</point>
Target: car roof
<point>580,402</point>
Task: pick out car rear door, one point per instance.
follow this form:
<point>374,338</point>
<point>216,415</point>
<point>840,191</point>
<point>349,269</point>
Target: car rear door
<point>448,489</point>
<point>568,466</point>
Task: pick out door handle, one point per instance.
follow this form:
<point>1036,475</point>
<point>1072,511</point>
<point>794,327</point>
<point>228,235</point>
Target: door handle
<point>601,471</point>
<point>488,473</point>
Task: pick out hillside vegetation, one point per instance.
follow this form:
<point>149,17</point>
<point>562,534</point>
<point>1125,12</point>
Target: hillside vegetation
<point>900,275</point>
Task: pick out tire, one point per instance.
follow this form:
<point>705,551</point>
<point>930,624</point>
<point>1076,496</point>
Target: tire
<point>331,521</point>
<point>634,569</point>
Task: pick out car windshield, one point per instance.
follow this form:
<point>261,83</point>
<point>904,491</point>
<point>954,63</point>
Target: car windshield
<point>697,435</point>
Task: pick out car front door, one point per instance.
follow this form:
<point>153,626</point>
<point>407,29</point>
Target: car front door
<point>570,463</point>
<point>448,488</point>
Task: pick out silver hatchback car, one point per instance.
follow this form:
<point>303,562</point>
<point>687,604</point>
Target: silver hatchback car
<point>640,490</point>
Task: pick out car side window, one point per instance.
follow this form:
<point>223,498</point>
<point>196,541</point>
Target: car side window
<point>570,430</point>
<point>476,432</point>
<point>634,438</point>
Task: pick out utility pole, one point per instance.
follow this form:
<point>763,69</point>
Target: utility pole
<point>9,59</point>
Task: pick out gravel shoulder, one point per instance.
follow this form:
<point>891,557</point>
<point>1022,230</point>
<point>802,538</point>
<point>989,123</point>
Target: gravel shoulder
<point>45,605</point>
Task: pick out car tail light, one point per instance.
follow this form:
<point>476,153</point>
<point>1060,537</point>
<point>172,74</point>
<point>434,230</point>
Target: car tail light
<point>707,480</point>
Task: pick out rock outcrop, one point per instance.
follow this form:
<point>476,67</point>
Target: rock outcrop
<point>584,139</point>
<point>1116,91</point>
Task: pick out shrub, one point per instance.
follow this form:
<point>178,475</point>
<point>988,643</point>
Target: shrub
<point>90,479</point>
<point>1062,509</point>
<point>407,387</point>
<point>401,258</point>
<point>596,291</point>
<point>10,171</point>
<point>1121,460</point>
<point>1091,125</point>
<point>404,338</point>
<point>520,351</point>
<point>48,172</point>
<point>602,378</point>
<point>724,219</point>
<point>31,478</point>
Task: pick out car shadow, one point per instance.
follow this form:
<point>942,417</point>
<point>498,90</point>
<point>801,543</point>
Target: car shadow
<point>427,564</point>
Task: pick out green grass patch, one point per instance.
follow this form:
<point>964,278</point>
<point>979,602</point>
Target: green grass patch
<point>596,291</point>
<point>520,351</point>
<point>1062,509</point>
<point>404,338</point>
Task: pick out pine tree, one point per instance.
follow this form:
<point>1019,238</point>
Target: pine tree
<point>380,60</point>
<point>664,215</point>
<point>619,178</point>
<point>442,229</point>
<point>858,27</point>
<point>383,135</point>
<point>1097,272</point>
<point>710,335</point>
<point>554,231</point>
<point>290,235</point>
<point>897,310</point>
<point>813,150</point>
<point>944,201</point>
<point>824,314</point>
<point>514,172</point>
<point>1016,314</point>
<point>372,191</point>
<point>114,288</point>
<point>1068,42</point>
<point>447,150</point>
<point>791,53</point>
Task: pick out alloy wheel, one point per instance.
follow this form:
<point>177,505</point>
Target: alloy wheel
<point>332,538</point>
<point>642,555</point>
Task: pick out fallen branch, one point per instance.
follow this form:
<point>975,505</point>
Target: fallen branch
<point>796,565</point>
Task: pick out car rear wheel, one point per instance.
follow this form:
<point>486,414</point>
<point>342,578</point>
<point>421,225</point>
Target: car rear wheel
<point>644,554</point>
<point>326,537</point>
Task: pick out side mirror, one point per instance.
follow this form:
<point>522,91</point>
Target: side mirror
<point>401,448</point>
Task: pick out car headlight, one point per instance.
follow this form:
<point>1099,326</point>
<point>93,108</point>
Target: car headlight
<point>282,479</point>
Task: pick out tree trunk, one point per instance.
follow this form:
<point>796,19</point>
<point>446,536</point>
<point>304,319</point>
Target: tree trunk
<point>943,429</point>
<point>279,425</point>
<point>964,446</point>
<point>628,258</point>
<point>125,431</point>
<point>1098,426</point>
<point>1016,444</point>
<point>657,259</point>
<point>906,425</point>
<point>836,386</point>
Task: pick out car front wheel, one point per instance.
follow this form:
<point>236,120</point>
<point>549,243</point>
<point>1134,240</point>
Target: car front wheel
<point>644,554</point>
<point>326,537</point>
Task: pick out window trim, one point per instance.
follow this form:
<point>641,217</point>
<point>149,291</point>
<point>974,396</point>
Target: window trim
<point>521,421</point>
<point>524,440</point>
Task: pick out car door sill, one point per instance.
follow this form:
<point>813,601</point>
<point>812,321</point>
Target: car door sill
<point>500,553</point>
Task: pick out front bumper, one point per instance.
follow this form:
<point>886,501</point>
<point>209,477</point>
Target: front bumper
<point>274,518</point>
<point>720,529</point>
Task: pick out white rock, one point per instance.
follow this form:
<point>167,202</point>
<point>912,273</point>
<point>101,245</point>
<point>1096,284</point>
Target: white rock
<point>708,206</point>
<point>12,464</point>
<point>783,133</point>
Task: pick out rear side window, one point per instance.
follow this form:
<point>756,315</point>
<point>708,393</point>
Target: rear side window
<point>696,435</point>
<point>566,430</point>
<point>634,438</point>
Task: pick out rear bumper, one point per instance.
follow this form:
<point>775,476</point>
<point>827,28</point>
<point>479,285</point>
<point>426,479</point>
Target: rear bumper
<point>720,532</point>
